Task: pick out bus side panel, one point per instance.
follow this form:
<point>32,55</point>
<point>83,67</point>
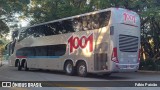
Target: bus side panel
<point>84,49</point>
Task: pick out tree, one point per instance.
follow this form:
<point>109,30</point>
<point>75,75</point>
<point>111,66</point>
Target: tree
<point>3,28</point>
<point>42,11</point>
<point>8,11</point>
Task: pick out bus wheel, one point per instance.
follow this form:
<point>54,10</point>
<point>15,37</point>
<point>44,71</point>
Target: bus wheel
<point>69,69</point>
<point>19,66</point>
<point>25,66</point>
<point>82,69</point>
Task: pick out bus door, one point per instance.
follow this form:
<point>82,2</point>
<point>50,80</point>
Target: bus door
<point>100,56</point>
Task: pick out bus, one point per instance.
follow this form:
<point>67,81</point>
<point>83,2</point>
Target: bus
<point>100,42</point>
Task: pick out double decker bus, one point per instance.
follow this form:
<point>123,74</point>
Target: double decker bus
<point>104,41</point>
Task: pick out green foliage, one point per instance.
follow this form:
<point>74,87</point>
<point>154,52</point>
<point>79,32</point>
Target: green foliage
<point>3,42</point>
<point>46,10</point>
<point>148,64</point>
<point>3,28</point>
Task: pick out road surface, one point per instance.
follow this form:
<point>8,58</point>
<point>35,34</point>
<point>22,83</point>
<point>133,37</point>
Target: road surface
<point>8,73</point>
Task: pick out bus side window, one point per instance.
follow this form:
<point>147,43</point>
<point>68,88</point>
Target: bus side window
<point>50,51</point>
<point>59,27</point>
<point>77,24</point>
<point>95,21</point>
<point>67,26</point>
<point>104,18</point>
<point>31,51</point>
<point>90,22</point>
<point>34,32</point>
<point>56,50</point>
<point>41,51</point>
<point>40,30</point>
<point>49,29</point>
<point>60,49</point>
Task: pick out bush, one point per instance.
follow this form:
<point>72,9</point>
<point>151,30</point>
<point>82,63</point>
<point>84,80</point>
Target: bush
<point>142,64</point>
<point>149,64</point>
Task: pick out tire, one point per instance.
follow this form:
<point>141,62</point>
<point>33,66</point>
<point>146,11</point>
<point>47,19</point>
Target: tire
<point>25,66</point>
<point>69,68</point>
<point>19,66</point>
<point>82,69</point>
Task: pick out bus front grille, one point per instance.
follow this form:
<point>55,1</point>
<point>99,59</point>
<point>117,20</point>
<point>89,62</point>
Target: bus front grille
<point>128,43</point>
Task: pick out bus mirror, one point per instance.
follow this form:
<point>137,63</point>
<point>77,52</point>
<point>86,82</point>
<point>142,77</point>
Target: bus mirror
<point>112,30</point>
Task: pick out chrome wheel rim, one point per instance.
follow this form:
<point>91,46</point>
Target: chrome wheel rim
<point>82,69</point>
<point>69,68</point>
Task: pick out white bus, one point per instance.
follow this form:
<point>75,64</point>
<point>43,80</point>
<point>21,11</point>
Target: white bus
<point>104,41</point>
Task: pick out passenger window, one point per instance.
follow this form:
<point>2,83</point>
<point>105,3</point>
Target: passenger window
<point>67,26</point>
<point>57,50</point>
<point>60,49</point>
<point>77,24</point>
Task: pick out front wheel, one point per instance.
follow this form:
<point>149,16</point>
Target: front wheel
<point>82,69</point>
<point>69,69</point>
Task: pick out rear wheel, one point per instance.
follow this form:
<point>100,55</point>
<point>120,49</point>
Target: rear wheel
<point>82,69</point>
<point>19,66</point>
<point>69,69</point>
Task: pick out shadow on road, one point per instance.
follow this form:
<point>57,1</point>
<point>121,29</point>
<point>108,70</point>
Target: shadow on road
<point>94,76</point>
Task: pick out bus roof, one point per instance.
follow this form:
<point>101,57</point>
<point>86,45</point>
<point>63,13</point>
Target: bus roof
<point>98,11</point>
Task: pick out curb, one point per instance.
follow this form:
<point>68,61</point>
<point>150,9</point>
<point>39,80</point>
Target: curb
<point>145,71</point>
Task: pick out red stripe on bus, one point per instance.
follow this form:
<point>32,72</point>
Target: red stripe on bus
<point>129,25</point>
<point>21,57</point>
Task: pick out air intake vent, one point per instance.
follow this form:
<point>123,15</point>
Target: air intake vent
<point>128,43</point>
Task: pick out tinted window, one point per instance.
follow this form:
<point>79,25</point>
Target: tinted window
<point>26,51</point>
<point>88,22</point>
<point>38,31</point>
<point>77,24</point>
<point>59,50</point>
<point>67,26</point>
<point>56,50</point>
<point>51,50</point>
<point>49,29</point>
<point>104,18</point>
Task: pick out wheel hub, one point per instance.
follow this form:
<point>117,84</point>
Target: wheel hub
<point>69,68</point>
<point>82,69</point>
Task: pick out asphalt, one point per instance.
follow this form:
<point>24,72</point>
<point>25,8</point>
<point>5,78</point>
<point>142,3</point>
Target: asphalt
<point>5,62</point>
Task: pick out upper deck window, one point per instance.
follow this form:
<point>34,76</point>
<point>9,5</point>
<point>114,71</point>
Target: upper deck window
<point>82,23</point>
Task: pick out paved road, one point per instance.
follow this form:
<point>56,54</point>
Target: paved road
<point>8,73</point>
